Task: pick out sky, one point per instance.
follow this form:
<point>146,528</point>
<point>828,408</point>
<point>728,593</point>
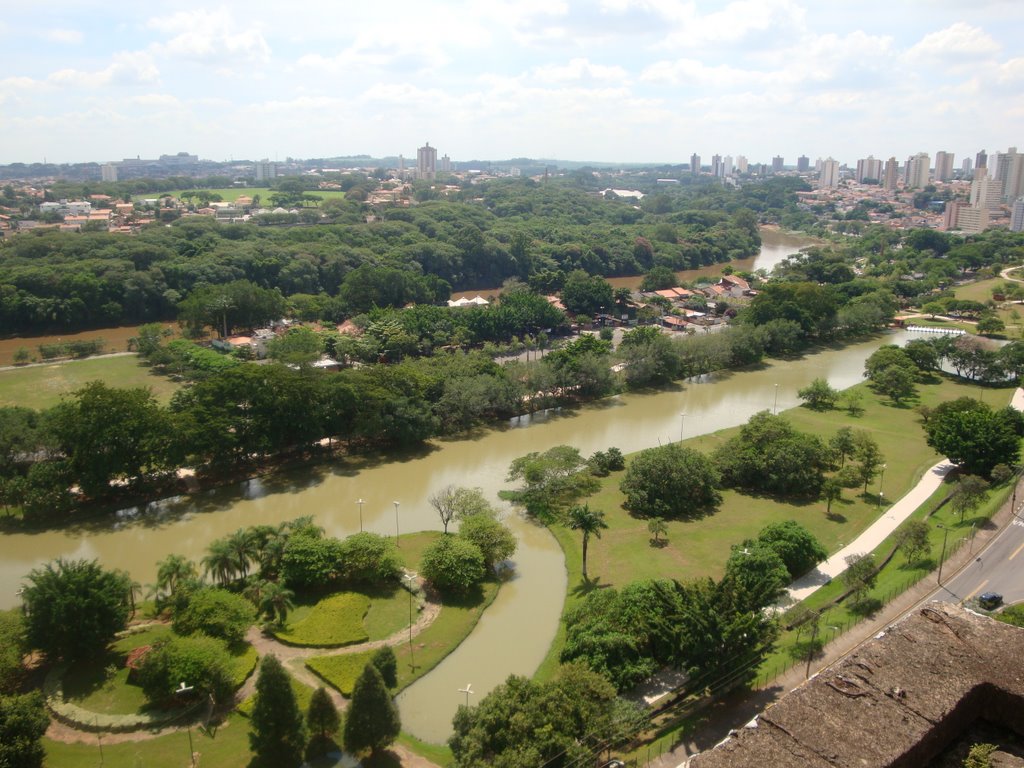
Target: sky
<point>604,80</point>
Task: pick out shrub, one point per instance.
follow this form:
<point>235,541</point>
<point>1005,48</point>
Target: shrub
<point>200,661</point>
<point>217,613</point>
<point>369,558</point>
<point>453,563</point>
<point>310,562</point>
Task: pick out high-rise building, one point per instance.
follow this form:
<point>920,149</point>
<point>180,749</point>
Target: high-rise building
<point>446,164</point>
<point>1011,173</point>
<point>265,170</point>
<point>716,165</point>
<point>986,192</point>
<point>778,164</point>
<point>892,174</point>
<point>868,168</point>
<point>803,164</point>
<point>426,162</point>
<point>1017,215</point>
<point>829,176</point>
<point>943,166</point>
<point>981,159</point>
<point>741,164</point>
<point>108,172</point>
<point>970,218</point>
<point>950,214</point>
<point>694,163</point>
<point>727,165</point>
<point>967,166</point>
<point>918,168</point>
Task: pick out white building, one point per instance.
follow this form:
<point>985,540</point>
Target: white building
<point>426,162</point>
<point>265,170</point>
<point>1017,216</point>
<point>108,172</point>
<point>918,171</point>
<point>869,168</point>
<point>943,166</point>
<point>828,178</point>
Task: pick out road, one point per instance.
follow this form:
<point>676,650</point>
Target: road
<point>997,569</point>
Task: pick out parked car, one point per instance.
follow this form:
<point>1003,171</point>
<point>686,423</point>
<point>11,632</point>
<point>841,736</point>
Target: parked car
<point>990,600</point>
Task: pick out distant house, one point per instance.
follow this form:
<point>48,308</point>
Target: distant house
<point>476,301</point>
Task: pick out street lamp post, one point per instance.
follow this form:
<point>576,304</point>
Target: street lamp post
<point>881,479</point>
<point>880,501</point>
<point>410,579</point>
<point>682,422</point>
<point>397,542</point>
<point>182,690</point>
<point>360,503</point>
<point>467,690</point>
<point>775,405</point>
<point>942,557</point>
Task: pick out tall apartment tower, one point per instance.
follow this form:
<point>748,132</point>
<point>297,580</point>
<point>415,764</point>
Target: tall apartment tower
<point>265,170</point>
<point>695,164</point>
<point>741,164</point>
<point>778,164</point>
<point>918,168</point>
<point>1010,171</point>
<point>446,164</point>
<point>108,172</point>
<point>829,176</point>
<point>1017,216</point>
<point>981,159</point>
<point>892,174</point>
<point>426,162</point>
<point>803,164</point>
<point>986,192</point>
<point>727,165</point>
<point>716,165</point>
<point>943,166</point>
<point>869,168</point>
<point>967,166</point>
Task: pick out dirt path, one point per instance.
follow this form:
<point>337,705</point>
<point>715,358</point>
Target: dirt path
<point>292,658</point>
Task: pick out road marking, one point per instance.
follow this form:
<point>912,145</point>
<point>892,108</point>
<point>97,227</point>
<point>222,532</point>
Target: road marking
<point>1016,552</point>
<point>1018,521</point>
<point>976,591</point>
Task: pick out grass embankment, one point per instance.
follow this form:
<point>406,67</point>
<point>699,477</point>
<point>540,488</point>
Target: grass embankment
<point>700,547</point>
<point>43,386</point>
<point>334,621</point>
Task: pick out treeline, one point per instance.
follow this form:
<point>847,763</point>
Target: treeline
<point>59,280</point>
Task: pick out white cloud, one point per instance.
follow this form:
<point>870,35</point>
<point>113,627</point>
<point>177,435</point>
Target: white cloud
<point>158,100</point>
<point>955,42</point>
<point>126,68</point>
<point>210,36</point>
<point>64,36</point>
<point>578,69</point>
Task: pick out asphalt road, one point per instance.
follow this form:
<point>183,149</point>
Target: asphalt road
<point>1000,568</point>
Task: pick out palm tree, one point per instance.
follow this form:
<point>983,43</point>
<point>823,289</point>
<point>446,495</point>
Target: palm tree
<point>172,571</point>
<point>277,601</point>
<point>243,545</point>
<point>220,563</point>
<point>590,522</point>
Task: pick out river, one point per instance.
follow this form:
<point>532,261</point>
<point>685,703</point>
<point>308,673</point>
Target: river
<point>515,632</point>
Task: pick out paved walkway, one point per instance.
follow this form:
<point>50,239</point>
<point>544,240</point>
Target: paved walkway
<point>874,535</point>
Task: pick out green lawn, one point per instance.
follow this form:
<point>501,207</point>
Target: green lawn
<point>701,547</point>
<point>43,386</point>
<point>334,621</point>
<point>388,613</point>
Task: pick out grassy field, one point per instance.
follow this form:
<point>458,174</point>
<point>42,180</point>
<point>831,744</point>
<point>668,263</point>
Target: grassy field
<point>334,621</point>
<point>700,547</point>
<point>340,671</point>
<point>43,386</point>
<point>1009,313</point>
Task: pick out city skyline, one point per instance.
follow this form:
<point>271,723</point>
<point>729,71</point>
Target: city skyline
<point>632,81</point>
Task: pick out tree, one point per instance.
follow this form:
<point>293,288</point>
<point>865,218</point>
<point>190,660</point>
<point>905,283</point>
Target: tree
<point>842,444</point>
<point>869,456</point>
<point>970,492</point>
<point>74,608</point>
<point>799,550</point>
<point>757,575</point>
<point>217,613</point>
<point>387,664</point>
<point>276,602</point>
<point>989,325</point>
<point>23,722</point>
<point>457,503</point>
<point>278,735</point>
<point>974,436</point>
<point>859,576</point>
<point>912,540</point>
<point>371,721</point>
<point>322,720</point>
<point>172,571</point>
<point>299,346</point>
<point>896,383</point>
<point>453,563</point>
<point>369,558</point>
<point>310,561</point>
<point>496,542</point>
<point>656,527</point>
<point>818,395</point>
<point>550,479</point>
<point>589,522</point>
<point>13,647</point>
<point>671,481</point>
<point>584,294</point>
<point>831,490</point>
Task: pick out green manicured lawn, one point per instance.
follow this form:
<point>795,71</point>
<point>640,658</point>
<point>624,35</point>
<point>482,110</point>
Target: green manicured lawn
<point>43,386</point>
<point>982,291</point>
<point>340,671</point>
<point>226,746</point>
<point>303,693</point>
<point>701,547</point>
<point>388,613</point>
<point>334,621</point>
